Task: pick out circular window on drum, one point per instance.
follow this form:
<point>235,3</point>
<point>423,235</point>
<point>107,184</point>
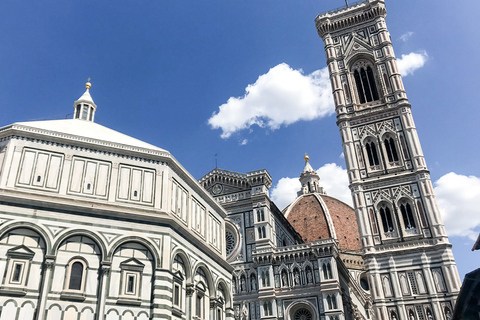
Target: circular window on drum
<point>303,314</point>
<point>231,242</point>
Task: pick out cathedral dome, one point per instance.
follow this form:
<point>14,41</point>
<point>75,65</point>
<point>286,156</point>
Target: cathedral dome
<point>314,215</point>
<point>318,216</point>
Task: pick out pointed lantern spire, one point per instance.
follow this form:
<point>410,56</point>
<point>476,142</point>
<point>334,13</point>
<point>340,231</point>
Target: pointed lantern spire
<point>309,179</point>
<point>84,108</point>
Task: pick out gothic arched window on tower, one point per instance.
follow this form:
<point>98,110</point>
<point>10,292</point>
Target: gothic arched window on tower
<point>372,155</point>
<point>327,271</point>
<point>366,86</point>
<point>407,215</point>
<point>391,149</point>
<point>387,221</point>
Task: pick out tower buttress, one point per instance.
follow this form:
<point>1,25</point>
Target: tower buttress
<point>407,253</point>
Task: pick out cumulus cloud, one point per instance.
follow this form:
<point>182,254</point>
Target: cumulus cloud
<point>458,198</point>
<point>282,96</point>
<point>408,63</point>
<point>407,35</point>
<point>243,142</point>
<point>285,192</point>
<point>333,179</point>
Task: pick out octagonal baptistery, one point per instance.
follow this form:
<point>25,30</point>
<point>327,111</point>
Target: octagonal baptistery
<point>94,222</point>
<point>315,215</point>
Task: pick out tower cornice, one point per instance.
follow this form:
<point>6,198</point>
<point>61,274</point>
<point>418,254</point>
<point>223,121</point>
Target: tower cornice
<point>349,16</point>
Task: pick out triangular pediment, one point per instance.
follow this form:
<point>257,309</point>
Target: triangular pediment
<point>357,45</point>
<point>132,264</point>
<point>21,252</point>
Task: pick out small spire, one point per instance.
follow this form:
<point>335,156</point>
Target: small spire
<point>309,179</point>
<point>308,167</point>
<point>84,108</point>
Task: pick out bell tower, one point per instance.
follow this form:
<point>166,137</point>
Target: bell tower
<point>408,257</point>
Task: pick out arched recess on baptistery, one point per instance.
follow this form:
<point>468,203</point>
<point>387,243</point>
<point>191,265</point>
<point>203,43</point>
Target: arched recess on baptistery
<point>202,291</point>
<point>301,308</point>
<point>208,275</point>
<point>133,261</point>
<point>145,242</point>
<point>188,266</point>
<point>78,262</point>
<point>23,247</point>
<point>221,283</point>
<point>80,232</point>
<point>7,227</point>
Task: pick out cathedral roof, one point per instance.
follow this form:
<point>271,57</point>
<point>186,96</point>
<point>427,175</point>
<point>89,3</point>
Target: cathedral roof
<point>318,216</point>
<point>80,130</point>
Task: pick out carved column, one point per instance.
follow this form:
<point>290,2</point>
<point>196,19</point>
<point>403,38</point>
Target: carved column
<point>103,289</point>
<point>46,282</point>
<point>188,304</point>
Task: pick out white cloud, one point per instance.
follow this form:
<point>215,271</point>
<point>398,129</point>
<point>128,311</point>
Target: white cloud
<point>282,96</point>
<point>285,192</point>
<point>243,142</point>
<point>408,63</point>
<point>407,35</point>
<point>333,179</point>
<point>458,198</point>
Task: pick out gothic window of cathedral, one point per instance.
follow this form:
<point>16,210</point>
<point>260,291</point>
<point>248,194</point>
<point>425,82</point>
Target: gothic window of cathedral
<point>327,271</point>
<point>365,82</point>
<point>260,215</point>
<point>267,309</point>
<point>331,302</point>
<point>262,233</point>
<point>265,279</point>
<point>387,221</point>
<point>372,154</point>
<point>391,150</point>
<point>408,217</point>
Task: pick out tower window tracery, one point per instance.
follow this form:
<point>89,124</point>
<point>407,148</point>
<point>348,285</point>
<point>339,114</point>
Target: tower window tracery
<point>387,219</point>
<point>365,83</point>
<point>372,155</point>
<point>407,215</point>
<point>391,149</point>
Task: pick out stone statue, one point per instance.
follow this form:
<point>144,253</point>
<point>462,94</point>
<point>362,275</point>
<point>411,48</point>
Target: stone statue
<point>254,284</point>
<point>284,279</point>
<point>297,278</point>
<point>309,276</point>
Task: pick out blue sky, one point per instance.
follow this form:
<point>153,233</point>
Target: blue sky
<point>161,69</point>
